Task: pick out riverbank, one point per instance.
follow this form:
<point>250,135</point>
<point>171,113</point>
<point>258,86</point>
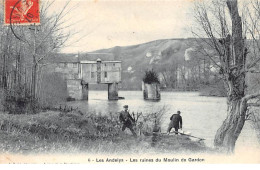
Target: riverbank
<point>72,132</point>
<point>205,91</point>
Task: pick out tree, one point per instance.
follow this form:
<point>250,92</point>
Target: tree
<point>24,49</point>
<point>168,70</point>
<point>168,74</point>
<point>226,30</point>
<point>150,77</point>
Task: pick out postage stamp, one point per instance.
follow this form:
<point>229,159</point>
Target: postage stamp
<point>22,12</point>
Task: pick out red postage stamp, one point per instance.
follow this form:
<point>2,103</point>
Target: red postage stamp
<point>22,12</point>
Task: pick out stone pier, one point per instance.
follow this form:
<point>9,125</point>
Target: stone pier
<point>77,90</point>
<point>79,73</point>
<point>84,91</point>
<point>151,91</point>
<point>113,91</point>
<point>74,89</point>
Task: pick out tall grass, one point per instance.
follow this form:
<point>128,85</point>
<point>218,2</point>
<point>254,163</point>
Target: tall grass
<point>75,132</point>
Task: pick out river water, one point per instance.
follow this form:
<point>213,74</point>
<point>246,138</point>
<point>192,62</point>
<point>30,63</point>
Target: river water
<point>201,115</point>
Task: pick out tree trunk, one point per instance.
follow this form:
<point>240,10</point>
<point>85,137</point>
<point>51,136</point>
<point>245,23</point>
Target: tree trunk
<point>4,78</point>
<point>34,81</point>
<point>228,133</point>
<point>234,77</point>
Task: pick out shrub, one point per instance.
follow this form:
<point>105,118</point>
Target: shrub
<point>18,100</point>
<point>51,132</point>
<point>151,77</point>
<point>147,123</point>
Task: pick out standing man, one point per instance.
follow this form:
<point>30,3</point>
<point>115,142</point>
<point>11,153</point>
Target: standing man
<point>127,120</point>
<point>176,122</point>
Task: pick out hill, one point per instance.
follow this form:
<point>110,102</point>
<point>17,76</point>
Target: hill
<point>156,54</point>
<point>178,62</point>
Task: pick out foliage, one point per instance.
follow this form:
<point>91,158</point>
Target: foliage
<point>147,122</point>
<point>18,101</point>
<point>53,125</point>
<point>75,132</point>
<point>214,88</point>
<point>151,77</point>
<point>23,50</point>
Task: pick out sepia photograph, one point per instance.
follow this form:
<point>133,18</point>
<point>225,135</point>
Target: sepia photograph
<point>130,82</point>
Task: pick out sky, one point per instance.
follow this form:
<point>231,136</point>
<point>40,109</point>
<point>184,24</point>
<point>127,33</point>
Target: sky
<point>105,24</point>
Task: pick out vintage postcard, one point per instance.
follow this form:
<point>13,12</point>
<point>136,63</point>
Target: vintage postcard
<point>130,82</point>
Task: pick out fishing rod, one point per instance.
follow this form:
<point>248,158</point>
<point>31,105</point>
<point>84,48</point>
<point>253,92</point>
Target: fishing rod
<point>185,135</point>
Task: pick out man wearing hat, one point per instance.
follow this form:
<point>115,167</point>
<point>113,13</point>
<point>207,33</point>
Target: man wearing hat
<point>127,120</point>
<point>176,122</point>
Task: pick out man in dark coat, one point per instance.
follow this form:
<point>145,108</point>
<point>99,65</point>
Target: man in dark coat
<point>176,122</point>
<point>127,120</point>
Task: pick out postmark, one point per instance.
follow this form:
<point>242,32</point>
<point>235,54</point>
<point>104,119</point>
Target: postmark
<point>22,12</point>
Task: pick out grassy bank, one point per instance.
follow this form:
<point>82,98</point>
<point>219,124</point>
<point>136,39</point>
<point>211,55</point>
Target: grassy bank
<point>72,132</point>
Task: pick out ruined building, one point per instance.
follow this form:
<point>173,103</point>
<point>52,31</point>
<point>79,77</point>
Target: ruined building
<point>92,68</point>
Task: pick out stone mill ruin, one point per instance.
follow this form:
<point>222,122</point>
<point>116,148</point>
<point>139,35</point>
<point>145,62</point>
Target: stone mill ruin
<point>80,71</point>
<point>91,68</point>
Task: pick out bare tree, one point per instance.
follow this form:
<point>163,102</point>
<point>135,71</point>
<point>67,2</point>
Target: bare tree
<point>24,49</point>
<point>226,30</point>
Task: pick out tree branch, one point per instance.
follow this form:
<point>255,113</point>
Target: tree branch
<point>252,96</point>
<point>253,104</point>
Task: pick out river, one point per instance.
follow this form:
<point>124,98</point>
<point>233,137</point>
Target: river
<point>201,115</point>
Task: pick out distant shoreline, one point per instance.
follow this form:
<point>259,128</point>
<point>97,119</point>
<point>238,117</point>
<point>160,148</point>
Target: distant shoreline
<point>173,91</point>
